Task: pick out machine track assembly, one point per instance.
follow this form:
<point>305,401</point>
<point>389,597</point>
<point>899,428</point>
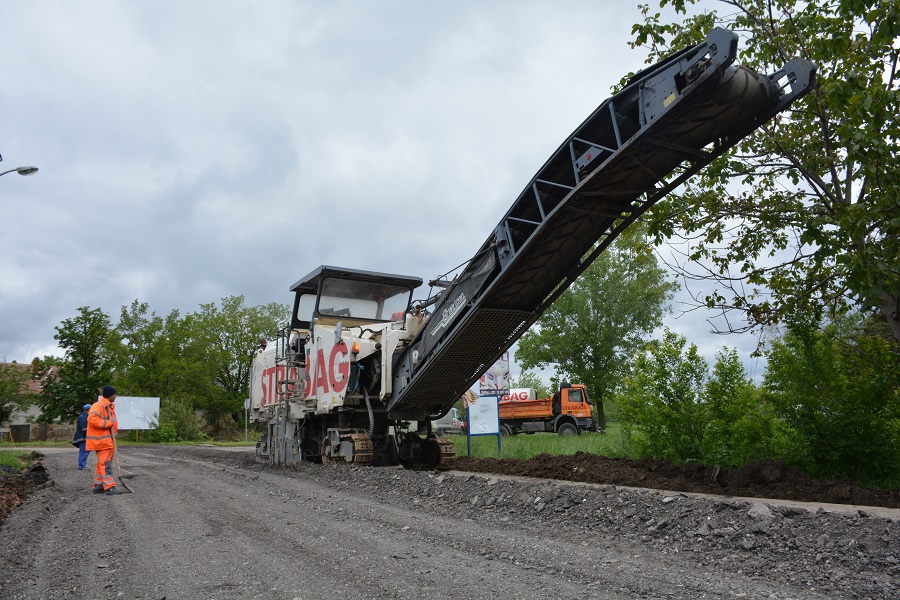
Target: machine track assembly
<point>447,454</point>
<point>427,453</point>
<point>351,448</point>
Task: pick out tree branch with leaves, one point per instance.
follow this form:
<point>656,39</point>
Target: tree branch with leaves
<point>807,208</point>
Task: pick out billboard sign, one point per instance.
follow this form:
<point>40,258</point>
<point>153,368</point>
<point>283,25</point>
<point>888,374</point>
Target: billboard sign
<point>135,412</point>
<point>495,381</point>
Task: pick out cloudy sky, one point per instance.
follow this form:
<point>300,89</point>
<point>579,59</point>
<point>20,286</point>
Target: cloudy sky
<point>190,151</point>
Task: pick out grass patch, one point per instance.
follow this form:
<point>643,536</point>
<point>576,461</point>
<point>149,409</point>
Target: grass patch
<point>249,444</point>
<point>216,443</point>
<point>15,459</point>
<point>6,445</point>
<point>524,446</point>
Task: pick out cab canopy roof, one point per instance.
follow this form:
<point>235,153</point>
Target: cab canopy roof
<point>310,283</point>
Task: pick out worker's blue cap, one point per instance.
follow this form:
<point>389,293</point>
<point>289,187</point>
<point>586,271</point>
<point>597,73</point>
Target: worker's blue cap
<point>86,406</point>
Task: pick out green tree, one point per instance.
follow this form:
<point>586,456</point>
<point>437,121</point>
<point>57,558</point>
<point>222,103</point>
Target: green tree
<point>42,367</point>
<point>801,217</point>
<point>13,391</point>
<point>673,408</point>
<point>151,354</point>
<point>593,328</point>
<point>86,366</point>
<point>661,400</point>
<point>174,361</point>
<point>224,340</point>
<point>838,390</point>
<point>176,422</point>
<point>135,363</point>
<point>200,361</point>
<point>739,427</point>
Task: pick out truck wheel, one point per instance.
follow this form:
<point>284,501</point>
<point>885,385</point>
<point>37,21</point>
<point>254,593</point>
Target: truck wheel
<point>506,430</point>
<point>567,429</point>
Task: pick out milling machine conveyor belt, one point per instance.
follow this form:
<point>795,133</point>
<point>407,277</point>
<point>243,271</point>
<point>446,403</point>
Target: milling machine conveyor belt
<point>669,122</point>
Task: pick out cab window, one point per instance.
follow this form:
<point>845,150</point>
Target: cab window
<point>365,300</point>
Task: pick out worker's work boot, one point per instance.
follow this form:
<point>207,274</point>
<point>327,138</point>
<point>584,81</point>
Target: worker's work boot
<point>113,491</point>
<point>97,489</point>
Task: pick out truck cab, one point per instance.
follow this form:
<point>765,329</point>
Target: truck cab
<point>572,399</point>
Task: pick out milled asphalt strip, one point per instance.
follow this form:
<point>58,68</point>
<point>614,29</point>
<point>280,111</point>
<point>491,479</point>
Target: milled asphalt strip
<point>844,509</point>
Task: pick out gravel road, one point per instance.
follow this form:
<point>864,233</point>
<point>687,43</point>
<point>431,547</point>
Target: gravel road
<point>210,523</point>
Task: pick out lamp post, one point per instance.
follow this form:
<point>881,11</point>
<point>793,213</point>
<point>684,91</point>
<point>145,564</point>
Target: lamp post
<point>21,171</point>
<point>246,416</point>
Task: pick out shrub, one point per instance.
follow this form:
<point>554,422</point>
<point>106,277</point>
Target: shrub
<point>836,388</point>
<point>661,401</point>
<point>176,422</point>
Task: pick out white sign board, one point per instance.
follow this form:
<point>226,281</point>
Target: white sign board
<point>484,416</point>
<point>135,412</point>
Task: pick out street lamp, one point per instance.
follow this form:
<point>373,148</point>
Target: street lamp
<point>21,171</point>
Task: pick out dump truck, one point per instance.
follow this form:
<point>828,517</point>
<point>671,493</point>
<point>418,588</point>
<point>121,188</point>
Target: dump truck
<point>362,370</point>
<point>569,411</point>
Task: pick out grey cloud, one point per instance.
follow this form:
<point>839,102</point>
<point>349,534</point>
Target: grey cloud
<point>191,151</point>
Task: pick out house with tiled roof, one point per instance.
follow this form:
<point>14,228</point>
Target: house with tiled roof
<point>22,419</point>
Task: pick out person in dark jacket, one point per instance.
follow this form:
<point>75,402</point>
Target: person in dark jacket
<point>80,435</point>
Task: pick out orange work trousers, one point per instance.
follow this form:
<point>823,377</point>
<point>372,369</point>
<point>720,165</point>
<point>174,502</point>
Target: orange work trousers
<point>103,473</point>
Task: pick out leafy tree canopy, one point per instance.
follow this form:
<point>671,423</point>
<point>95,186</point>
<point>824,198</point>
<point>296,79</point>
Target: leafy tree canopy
<point>803,216</point>
<point>200,361</point>
<point>154,356</point>
<point>202,358</point>
<point>224,338</point>
<point>86,367</point>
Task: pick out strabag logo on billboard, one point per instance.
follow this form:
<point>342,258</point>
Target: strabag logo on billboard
<point>450,312</point>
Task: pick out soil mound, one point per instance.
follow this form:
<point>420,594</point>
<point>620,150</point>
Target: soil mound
<point>15,486</point>
<point>759,479</point>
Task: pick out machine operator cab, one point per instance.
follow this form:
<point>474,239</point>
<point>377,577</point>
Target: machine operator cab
<point>347,298</point>
<point>355,297</point>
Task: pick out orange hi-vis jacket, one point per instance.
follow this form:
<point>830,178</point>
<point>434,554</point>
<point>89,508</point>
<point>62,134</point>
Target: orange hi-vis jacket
<point>101,425</point>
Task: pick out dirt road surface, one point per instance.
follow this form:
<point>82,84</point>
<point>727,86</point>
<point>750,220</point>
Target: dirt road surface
<point>207,523</point>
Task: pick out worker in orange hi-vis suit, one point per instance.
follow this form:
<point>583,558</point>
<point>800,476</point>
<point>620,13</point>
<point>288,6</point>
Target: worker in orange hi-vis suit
<point>101,428</point>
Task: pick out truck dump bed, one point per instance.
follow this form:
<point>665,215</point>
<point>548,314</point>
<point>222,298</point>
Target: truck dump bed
<point>526,409</point>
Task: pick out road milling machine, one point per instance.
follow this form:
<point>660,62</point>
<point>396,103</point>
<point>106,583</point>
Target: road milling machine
<point>361,371</point>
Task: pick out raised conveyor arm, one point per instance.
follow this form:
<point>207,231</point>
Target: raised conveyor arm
<point>670,121</point>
